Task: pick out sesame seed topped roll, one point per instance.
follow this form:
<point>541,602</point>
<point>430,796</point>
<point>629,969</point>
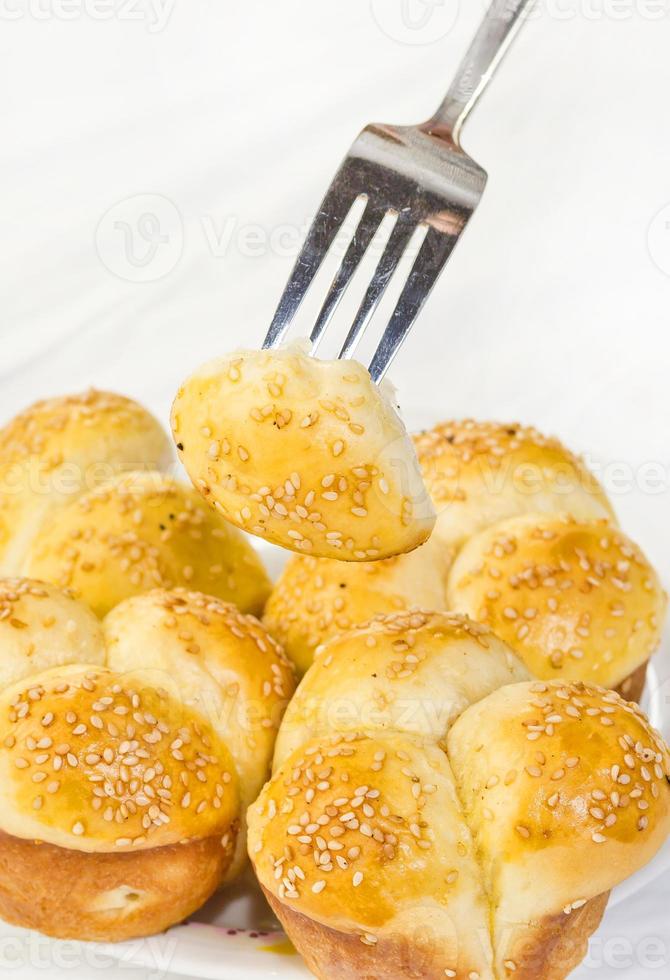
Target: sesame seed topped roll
<point>139,531</point>
<point>360,846</point>
<point>119,807</point>
<point>575,599</point>
<point>315,599</point>
<point>83,752</point>
<point>218,662</point>
<point>434,813</point>
<point>58,448</point>
<point>41,627</point>
<point>124,781</point>
<point>305,453</point>
<point>479,473</point>
<point>567,790</point>
<point>412,672</point>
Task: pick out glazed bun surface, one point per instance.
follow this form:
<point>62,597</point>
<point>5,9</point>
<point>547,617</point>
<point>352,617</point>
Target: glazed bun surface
<point>574,599</point>
<point>41,627</point>
<point>59,448</point>
<point>91,763</point>
<point>383,856</point>
<point>412,672</point>
<point>433,812</point>
<point>315,599</point>
<point>559,816</point>
<point>308,454</point>
<point>140,531</point>
<point>218,662</point>
<point>128,756</point>
<point>479,473</point>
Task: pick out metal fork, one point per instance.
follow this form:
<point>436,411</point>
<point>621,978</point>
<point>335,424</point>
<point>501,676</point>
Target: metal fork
<point>421,177</point>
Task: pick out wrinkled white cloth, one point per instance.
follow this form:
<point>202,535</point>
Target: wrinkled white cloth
<point>160,159</point>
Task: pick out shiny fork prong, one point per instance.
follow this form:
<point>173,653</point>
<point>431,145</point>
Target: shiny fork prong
<point>395,249</point>
<point>431,259</point>
<point>366,230</point>
<point>322,233</point>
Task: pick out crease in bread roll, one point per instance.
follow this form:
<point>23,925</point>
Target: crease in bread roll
<point>140,531</point>
<point>456,819</point>
<point>396,673</point>
<point>308,454</point>
<point>578,786</point>
<point>574,599</point>
<point>130,773</point>
<point>479,473</point>
<point>216,661</point>
<point>86,503</point>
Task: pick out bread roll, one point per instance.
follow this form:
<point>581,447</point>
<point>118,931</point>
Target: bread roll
<point>413,672</point>
<point>424,821</point>
<point>92,767</point>
<point>217,662</point>
<point>58,448</point>
<point>315,599</point>
<point>479,473</point>
<point>574,599</point>
<point>308,454</point>
<point>42,627</point>
<point>567,791</point>
<point>123,785</point>
<point>140,531</point>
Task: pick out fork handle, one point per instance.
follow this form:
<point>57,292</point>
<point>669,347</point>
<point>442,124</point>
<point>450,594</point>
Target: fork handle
<point>496,32</point>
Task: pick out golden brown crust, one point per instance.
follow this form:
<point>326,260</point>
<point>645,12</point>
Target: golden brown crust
<point>308,454</point>
<point>497,818</point>
<point>575,599</point>
<point>479,473</point>
<point>315,599</point>
<point>552,948</point>
<point>128,755</point>
<point>98,761</point>
<point>106,897</point>
<point>141,531</point>
<point>61,447</point>
<point>632,687</point>
<point>218,661</point>
<point>412,672</point>
<point>334,955</point>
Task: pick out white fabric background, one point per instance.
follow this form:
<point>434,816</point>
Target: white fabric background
<point>553,310</point>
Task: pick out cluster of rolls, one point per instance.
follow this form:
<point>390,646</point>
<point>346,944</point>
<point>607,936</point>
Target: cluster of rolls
<point>462,775</point>
<point>139,702</point>
<point>457,784</point>
<point>130,749</point>
<point>434,812</point>
<point>87,502</point>
<point>525,542</point>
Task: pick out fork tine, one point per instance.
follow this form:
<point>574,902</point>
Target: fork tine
<point>388,263</point>
<point>320,237</point>
<point>432,257</point>
<point>369,224</point>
